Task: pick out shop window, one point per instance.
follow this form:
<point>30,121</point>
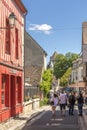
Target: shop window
<point>16,43</point>
<point>3,98</point>
<point>7,35</point>
<point>5,91</point>
<point>18,90</point>
<point>3,82</point>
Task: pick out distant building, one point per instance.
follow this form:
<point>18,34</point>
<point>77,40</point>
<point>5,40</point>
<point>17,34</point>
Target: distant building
<point>35,62</point>
<point>76,79</point>
<point>55,82</point>
<point>52,60</point>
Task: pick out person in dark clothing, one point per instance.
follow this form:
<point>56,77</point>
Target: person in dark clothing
<point>86,100</point>
<point>71,100</point>
<point>80,101</point>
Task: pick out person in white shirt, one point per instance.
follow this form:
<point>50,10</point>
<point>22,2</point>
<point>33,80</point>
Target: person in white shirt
<point>54,104</point>
<point>63,101</point>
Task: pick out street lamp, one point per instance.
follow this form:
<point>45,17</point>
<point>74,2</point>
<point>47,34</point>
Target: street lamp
<point>12,19</point>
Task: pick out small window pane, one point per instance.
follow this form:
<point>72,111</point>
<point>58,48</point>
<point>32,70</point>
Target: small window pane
<point>3,81</point>
<point>3,97</point>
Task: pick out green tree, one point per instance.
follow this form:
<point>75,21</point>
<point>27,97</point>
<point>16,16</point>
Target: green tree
<point>62,63</point>
<point>64,78</point>
<point>45,85</point>
<point>71,57</point>
<point>60,66</point>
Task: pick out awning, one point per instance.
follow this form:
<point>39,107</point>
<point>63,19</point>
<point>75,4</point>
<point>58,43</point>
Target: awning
<point>51,90</point>
<point>27,84</point>
<point>78,85</point>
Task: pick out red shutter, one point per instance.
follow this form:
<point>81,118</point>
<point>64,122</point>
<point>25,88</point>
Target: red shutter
<point>16,44</point>
<point>7,47</point>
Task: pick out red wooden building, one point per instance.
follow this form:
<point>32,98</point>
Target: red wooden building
<point>11,59</point>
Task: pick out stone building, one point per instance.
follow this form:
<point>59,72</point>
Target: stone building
<point>55,82</point>
<point>35,63</point>
<point>76,78</point>
<point>52,60</point>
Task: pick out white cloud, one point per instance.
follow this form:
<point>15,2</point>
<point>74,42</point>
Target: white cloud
<point>43,28</point>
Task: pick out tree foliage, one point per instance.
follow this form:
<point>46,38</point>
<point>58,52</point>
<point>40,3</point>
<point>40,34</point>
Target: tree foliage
<point>62,63</point>
<point>60,66</point>
<point>45,85</point>
<point>71,57</point>
<point>64,78</point>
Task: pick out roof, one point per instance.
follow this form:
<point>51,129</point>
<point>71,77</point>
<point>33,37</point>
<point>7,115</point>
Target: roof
<point>21,6</point>
<point>53,56</point>
<point>26,33</point>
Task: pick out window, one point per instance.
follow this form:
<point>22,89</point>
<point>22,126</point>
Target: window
<point>7,35</point>
<point>76,74</point>
<point>73,76</point>
<point>16,43</point>
<point>3,90</point>
<point>81,73</point>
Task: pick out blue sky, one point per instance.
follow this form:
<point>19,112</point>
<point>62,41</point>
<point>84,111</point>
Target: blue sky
<point>56,24</point>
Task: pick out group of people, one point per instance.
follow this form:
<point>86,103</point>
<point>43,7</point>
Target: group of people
<point>63,99</point>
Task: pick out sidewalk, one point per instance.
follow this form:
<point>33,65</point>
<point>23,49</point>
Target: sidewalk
<point>19,122</point>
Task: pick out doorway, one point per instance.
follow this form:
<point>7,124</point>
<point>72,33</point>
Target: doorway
<point>13,102</point>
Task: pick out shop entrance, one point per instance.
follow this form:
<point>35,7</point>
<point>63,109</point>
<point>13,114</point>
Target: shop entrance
<point>13,109</point>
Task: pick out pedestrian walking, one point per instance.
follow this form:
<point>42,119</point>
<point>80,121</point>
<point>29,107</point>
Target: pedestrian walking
<point>86,100</point>
<point>71,103</point>
<point>80,101</point>
<point>62,101</point>
<point>54,103</point>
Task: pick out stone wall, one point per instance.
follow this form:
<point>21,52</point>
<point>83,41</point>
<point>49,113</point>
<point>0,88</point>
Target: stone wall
<point>31,105</point>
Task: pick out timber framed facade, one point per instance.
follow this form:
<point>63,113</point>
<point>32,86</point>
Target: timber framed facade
<point>11,59</point>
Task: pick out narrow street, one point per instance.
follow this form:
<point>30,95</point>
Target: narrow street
<point>45,121</point>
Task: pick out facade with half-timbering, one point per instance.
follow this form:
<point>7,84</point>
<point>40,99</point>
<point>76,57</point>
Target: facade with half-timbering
<point>11,59</point>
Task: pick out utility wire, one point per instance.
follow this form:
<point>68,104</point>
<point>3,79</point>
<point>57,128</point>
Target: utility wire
<point>57,29</point>
<point>66,29</point>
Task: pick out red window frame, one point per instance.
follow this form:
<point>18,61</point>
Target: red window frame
<point>3,90</point>
<point>7,38</point>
